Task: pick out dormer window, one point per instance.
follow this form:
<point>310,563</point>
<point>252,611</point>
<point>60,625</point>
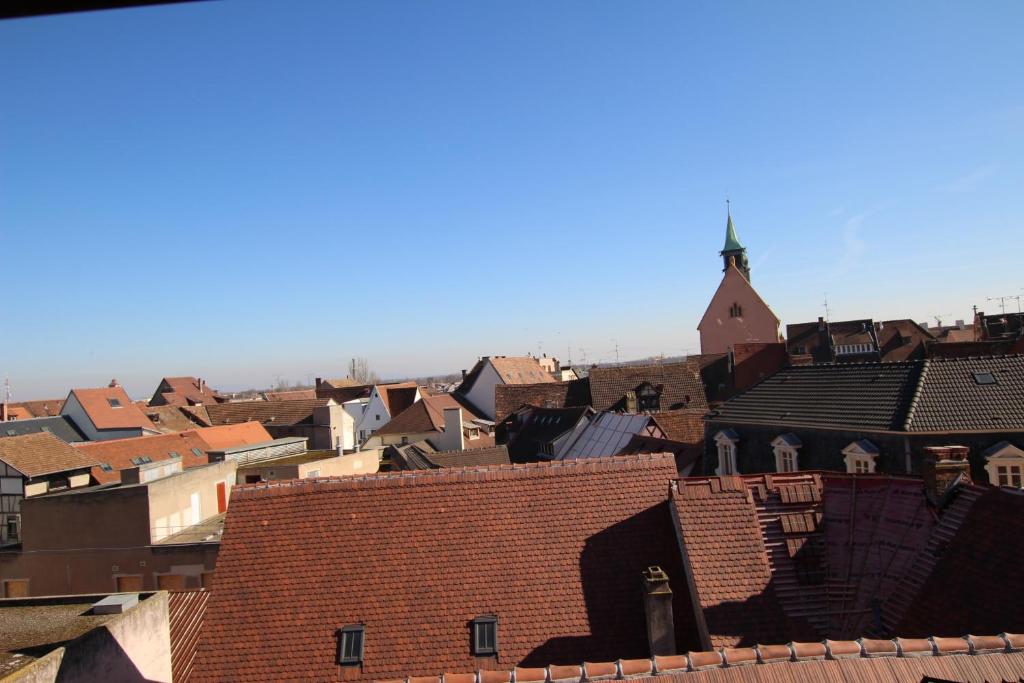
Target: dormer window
<point>785,448</point>
<point>350,644</point>
<point>114,402</point>
<point>485,636</point>
<point>1004,463</point>
<point>726,441</point>
<point>860,457</point>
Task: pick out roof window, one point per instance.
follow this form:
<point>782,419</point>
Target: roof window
<point>350,644</point>
<point>196,452</point>
<point>141,460</point>
<point>114,402</point>
<point>105,466</point>
<point>174,454</point>
<point>984,378</point>
<point>485,636</point>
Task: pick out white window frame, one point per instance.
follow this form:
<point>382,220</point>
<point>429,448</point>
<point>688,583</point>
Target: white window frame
<point>1008,457</point>
<point>726,455</point>
<point>783,449</point>
<point>858,460</point>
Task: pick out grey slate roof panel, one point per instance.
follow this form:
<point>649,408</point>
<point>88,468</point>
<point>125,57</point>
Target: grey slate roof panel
<point>874,396</point>
<point>59,425</point>
<point>951,399</point>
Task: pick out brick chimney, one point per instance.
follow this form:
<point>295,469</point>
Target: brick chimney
<point>941,467</point>
<point>113,383</point>
<point>661,632</point>
<point>821,324</point>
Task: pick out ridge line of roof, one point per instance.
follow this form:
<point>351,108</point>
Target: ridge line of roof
<point>918,390</point>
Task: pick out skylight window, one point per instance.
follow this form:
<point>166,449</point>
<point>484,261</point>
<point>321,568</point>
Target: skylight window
<point>350,644</point>
<point>984,378</point>
<point>105,466</point>
<point>114,402</point>
<point>196,452</point>
<point>485,636</point>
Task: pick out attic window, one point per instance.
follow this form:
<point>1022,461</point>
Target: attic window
<point>350,644</point>
<point>984,378</point>
<point>114,402</point>
<point>485,636</point>
<point>105,466</point>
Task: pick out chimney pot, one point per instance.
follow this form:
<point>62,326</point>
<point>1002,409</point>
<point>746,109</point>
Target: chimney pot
<point>463,374</point>
<point>941,467</point>
<point>661,633</point>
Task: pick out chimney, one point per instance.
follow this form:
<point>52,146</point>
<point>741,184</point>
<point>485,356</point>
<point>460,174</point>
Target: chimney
<point>453,438</point>
<point>661,632</point>
<point>113,383</point>
<point>821,324</point>
<point>941,467</point>
<point>319,381</point>
<point>3,411</point>
<point>201,383</point>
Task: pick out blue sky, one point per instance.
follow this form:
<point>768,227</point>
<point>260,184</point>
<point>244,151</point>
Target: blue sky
<point>242,190</point>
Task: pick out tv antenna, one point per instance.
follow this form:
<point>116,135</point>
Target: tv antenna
<point>937,317</point>
<point>828,311</point>
<point>1002,301</point>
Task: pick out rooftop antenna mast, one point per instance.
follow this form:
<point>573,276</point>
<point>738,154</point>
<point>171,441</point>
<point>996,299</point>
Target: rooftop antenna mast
<point>938,318</point>
<point>7,397</point>
<point>1002,301</point>
<point>828,311</point>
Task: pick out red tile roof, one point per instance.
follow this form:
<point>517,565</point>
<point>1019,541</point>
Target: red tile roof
<point>973,658</point>
<point>426,415</point>
<point>35,455</point>
<point>296,394</point>
<point>45,408</point>
<point>686,426</point>
<point>118,453</point>
<point>555,550</point>
<point>510,397</point>
<point>97,405</point>
<point>185,611</point>
<point>183,391</point>
<point>520,370</point>
<point>229,436</point>
<point>274,413</point>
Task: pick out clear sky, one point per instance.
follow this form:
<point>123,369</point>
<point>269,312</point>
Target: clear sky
<point>241,190</point>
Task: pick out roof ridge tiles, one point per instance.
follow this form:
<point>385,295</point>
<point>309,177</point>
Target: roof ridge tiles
<point>757,655</point>
<point>916,397</point>
<point>452,474</point>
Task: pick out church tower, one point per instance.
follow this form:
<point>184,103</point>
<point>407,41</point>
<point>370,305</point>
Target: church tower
<point>733,250</point>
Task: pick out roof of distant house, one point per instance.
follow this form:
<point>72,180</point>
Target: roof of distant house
<point>293,395</point>
<point>44,408</point>
<point>36,455</point>
<point>679,385</point>
<point>233,435</point>
<point>184,391</point>
<point>510,369</point>
<point>510,397</point>
<point>272,413</point>
<point>60,426</point>
<point>427,415</point>
<point>533,427</point>
<point>901,339</point>
<point>966,394</point>
<point>114,455</point>
<point>170,419</point>
<point>110,408</point>
<point>397,397</point>
<point>423,456</point>
<point>522,542</point>
<point>686,426</point>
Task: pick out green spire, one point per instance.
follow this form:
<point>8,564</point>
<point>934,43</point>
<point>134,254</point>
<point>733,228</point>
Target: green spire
<point>732,242</point>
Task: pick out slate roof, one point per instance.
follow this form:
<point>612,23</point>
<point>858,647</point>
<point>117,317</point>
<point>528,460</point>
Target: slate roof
<point>36,455</point>
<point>117,454</point>
<point>426,415</point>
<point>868,396</point>
<point>950,399</point>
<point>274,413</point>
<point>96,404</point>
<point>60,426</point>
<point>681,385</point>
<point>511,397</point>
<point>454,544</point>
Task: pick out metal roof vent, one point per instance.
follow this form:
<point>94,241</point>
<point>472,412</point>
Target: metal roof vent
<point>116,604</point>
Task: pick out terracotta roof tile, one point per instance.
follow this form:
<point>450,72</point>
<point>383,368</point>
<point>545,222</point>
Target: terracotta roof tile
<point>183,391</point>
<point>42,408</point>
<point>293,395</point>
<point>35,455</point>
<point>473,541</point>
<point>685,426</point>
<point>427,415</point>
<point>272,413</point>
<point>186,609</point>
<point>115,455</point>
<point>229,436</point>
<point>510,397</point>
<point>110,408</point>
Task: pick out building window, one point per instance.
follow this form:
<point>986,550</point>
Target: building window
<point>1004,463</point>
<point>114,402</point>
<point>860,457</point>
<point>785,448</point>
<point>485,636</point>
<point>350,645</point>
<point>377,416</point>
<point>174,454</point>
<point>196,452</point>
<point>105,466</point>
<point>726,441</point>
<point>735,311</point>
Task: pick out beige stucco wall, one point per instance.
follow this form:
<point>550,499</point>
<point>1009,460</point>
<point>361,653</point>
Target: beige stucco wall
<point>381,441</point>
<point>170,498</point>
<point>363,462</point>
<point>718,331</point>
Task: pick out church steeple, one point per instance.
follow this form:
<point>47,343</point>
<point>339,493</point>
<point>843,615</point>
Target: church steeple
<point>733,251</point>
